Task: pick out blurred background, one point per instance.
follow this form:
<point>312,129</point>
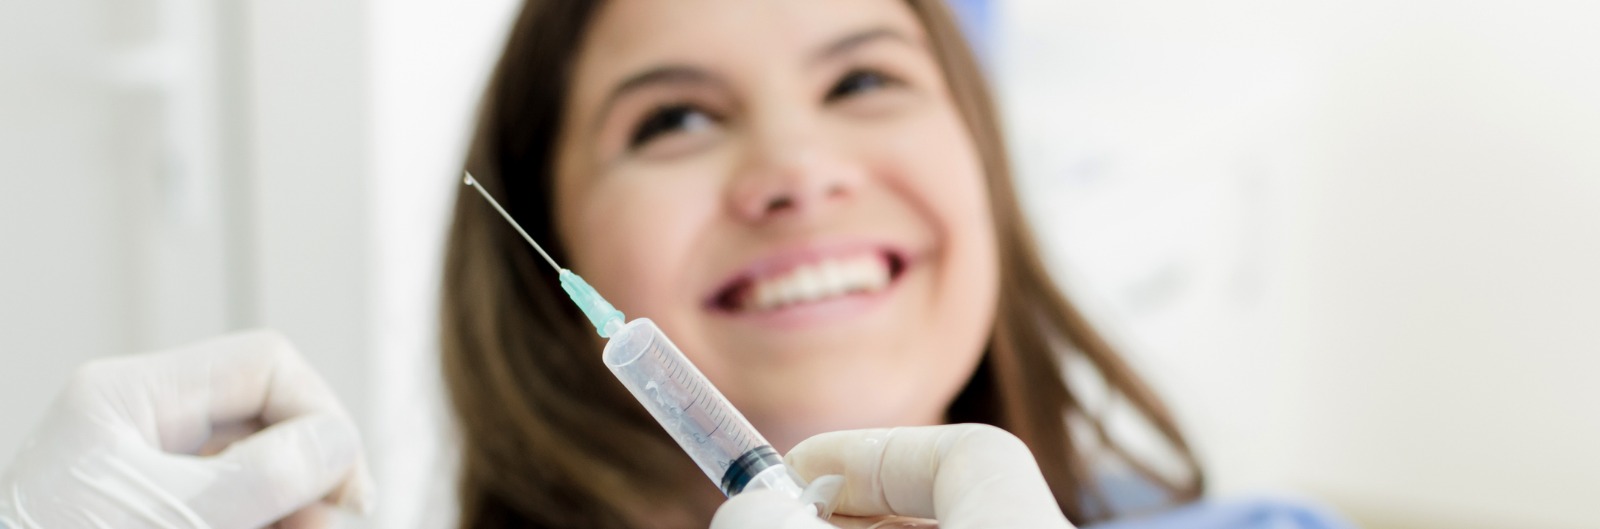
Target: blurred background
<point>1353,242</point>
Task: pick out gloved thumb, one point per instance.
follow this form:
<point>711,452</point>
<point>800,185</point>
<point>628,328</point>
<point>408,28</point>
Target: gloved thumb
<point>766,509</point>
<point>279,470</point>
<point>963,475</point>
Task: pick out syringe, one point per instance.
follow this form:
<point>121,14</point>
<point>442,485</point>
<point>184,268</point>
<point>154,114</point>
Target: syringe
<point>714,434</point>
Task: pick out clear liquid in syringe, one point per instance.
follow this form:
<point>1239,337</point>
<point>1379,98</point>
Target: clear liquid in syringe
<point>714,434</point>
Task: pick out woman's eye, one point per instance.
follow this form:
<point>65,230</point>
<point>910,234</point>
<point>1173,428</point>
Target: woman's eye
<point>667,120</point>
<point>857,82</point>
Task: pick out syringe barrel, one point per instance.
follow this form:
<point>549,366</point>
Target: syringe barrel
<point>714,434</point>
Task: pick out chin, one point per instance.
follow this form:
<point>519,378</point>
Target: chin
<point>827,407</point>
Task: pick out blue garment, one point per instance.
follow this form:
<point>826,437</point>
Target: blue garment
<point>1262,513</point>
<point>1129,493</point>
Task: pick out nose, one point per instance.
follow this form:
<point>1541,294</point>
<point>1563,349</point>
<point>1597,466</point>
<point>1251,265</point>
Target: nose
<point>793,179</point>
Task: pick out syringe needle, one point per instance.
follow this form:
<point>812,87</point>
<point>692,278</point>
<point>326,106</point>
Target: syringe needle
<point>601,314</point>
<point>473,183</point>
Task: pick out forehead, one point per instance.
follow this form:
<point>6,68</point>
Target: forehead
<point>629,35</point>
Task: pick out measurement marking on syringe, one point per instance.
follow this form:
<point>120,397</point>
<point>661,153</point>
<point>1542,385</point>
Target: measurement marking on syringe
<point>680,373</point>
<point>661,355</point>
<point>719,416</point>
<point>699,392</point>
<point>684,374</point>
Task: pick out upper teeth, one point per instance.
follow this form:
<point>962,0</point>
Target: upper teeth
<point>824,279</point>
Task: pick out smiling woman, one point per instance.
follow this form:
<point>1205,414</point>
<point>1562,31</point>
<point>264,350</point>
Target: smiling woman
<point>810,197</point>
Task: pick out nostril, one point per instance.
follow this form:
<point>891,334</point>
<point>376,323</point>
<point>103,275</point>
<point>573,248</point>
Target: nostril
<point>836,190</point>
<point>780,203</point>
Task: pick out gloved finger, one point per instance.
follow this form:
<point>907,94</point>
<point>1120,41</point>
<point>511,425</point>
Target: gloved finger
<point>249,376</point>
<point>901,522</point>
<point>882,522</point>
<point>173,398</point>
<point>278,471</point>
<point>766,509</point>
<point>962,475</point>
<point>314,516</point>
<point>260,375</point>
<point>263,377</point>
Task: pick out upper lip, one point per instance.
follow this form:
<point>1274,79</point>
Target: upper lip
<point>787,258</point>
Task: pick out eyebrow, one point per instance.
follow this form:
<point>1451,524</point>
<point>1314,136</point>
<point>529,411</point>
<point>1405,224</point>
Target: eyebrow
<point>856,40</point>
<point>660,75</point>
<point>689,75</point>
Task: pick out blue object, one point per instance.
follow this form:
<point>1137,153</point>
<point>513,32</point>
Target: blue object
<point>1130,493</point>
<point>602,315</point>
<point>1261,513</point>
<point>977,21</point>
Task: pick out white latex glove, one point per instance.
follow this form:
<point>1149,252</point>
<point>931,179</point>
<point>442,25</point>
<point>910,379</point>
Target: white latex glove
<point>121,446</point>
<point>963,476</point>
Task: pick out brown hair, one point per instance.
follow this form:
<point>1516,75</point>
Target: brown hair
<point>551,439</point>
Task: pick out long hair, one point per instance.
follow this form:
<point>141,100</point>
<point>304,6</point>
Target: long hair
<point>551,439</point>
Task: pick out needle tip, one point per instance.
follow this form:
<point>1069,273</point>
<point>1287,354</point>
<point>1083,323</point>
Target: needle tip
<point>467,179</point>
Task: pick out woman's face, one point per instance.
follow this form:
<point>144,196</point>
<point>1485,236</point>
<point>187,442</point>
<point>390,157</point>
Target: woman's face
<point>788,190</point>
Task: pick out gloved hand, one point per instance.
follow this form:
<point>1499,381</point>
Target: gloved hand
<point>123,445</point>
<point>960,476</point>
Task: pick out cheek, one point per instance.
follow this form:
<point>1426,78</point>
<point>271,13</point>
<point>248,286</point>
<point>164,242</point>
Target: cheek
<point>945,175</point>
<point>632,236</point>
<point>931,165</point>
<point>969,281</point>
<point>949,177</point>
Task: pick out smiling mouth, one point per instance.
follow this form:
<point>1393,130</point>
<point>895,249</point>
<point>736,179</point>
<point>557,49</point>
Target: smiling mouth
<point>820,280</point>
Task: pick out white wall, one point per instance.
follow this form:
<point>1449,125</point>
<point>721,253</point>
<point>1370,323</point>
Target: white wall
<point>1451,221</point>
<point>1152,139</point>
<point>308,183</point>
<point>1354,242</point>
<point>430,61</point>
<point>112,209</point>
<point>360,120</point>
<point>61,294</point>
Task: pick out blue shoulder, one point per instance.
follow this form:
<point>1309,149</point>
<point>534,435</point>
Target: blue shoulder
<point>1256,513</point>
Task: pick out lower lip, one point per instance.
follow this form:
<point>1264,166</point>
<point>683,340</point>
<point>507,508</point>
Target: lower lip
<point>810,314</point>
